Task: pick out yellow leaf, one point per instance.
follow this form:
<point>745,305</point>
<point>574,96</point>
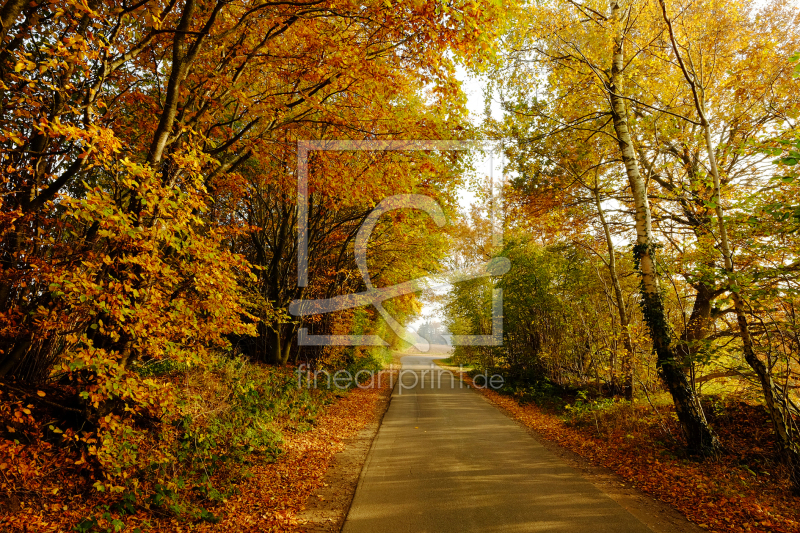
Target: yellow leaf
<point>41,393</point>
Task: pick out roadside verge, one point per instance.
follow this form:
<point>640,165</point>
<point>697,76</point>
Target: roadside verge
<point>329,501</point>
<point>628,459</point>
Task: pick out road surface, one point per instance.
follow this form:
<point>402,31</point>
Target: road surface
<point>445,460</point>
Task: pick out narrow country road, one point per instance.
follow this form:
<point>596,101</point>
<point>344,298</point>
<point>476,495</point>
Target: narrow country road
<point>445,460</point>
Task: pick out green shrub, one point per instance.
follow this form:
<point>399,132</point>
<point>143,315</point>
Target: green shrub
<point>230,414</point>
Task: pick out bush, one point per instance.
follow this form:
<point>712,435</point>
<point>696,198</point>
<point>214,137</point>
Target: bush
<point>228,416</point>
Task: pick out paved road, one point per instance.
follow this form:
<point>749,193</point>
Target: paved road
<point>445,460</point>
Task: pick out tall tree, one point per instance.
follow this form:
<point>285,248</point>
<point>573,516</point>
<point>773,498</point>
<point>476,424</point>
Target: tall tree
<point>583,51</point>
<point>775,398</point>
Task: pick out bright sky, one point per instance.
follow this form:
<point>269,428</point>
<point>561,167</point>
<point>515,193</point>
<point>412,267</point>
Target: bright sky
<point>473,88</point>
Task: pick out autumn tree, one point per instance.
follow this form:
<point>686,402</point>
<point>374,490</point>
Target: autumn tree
<point>684,102</point>
<point>692,66</point>
<point>145,145</point>
<point>582,50</point>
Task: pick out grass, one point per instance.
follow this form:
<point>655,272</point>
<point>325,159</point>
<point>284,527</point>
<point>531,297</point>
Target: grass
<point>452,362</point>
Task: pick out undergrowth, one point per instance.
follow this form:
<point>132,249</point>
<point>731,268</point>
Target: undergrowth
<point>230,415</point>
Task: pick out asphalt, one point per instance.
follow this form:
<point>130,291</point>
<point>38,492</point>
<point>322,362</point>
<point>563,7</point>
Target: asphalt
<point>446,460</point>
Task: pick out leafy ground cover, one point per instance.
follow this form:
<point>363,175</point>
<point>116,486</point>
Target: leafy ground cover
<point>249,449</point>
<point>745,490</point>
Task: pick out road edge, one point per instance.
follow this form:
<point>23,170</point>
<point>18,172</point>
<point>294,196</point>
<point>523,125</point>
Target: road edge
<point>659,516</point>
<point>328,506</point>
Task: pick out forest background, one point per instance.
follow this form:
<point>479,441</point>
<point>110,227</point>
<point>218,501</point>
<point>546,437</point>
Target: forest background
<point>148,218</point>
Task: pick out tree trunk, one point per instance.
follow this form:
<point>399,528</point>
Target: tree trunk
<point>13,360</point>
<point>287,349</point>
<point>624,321</point>
<point>275,346</point>
<point>8,15</point>
<point>700,439</point>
